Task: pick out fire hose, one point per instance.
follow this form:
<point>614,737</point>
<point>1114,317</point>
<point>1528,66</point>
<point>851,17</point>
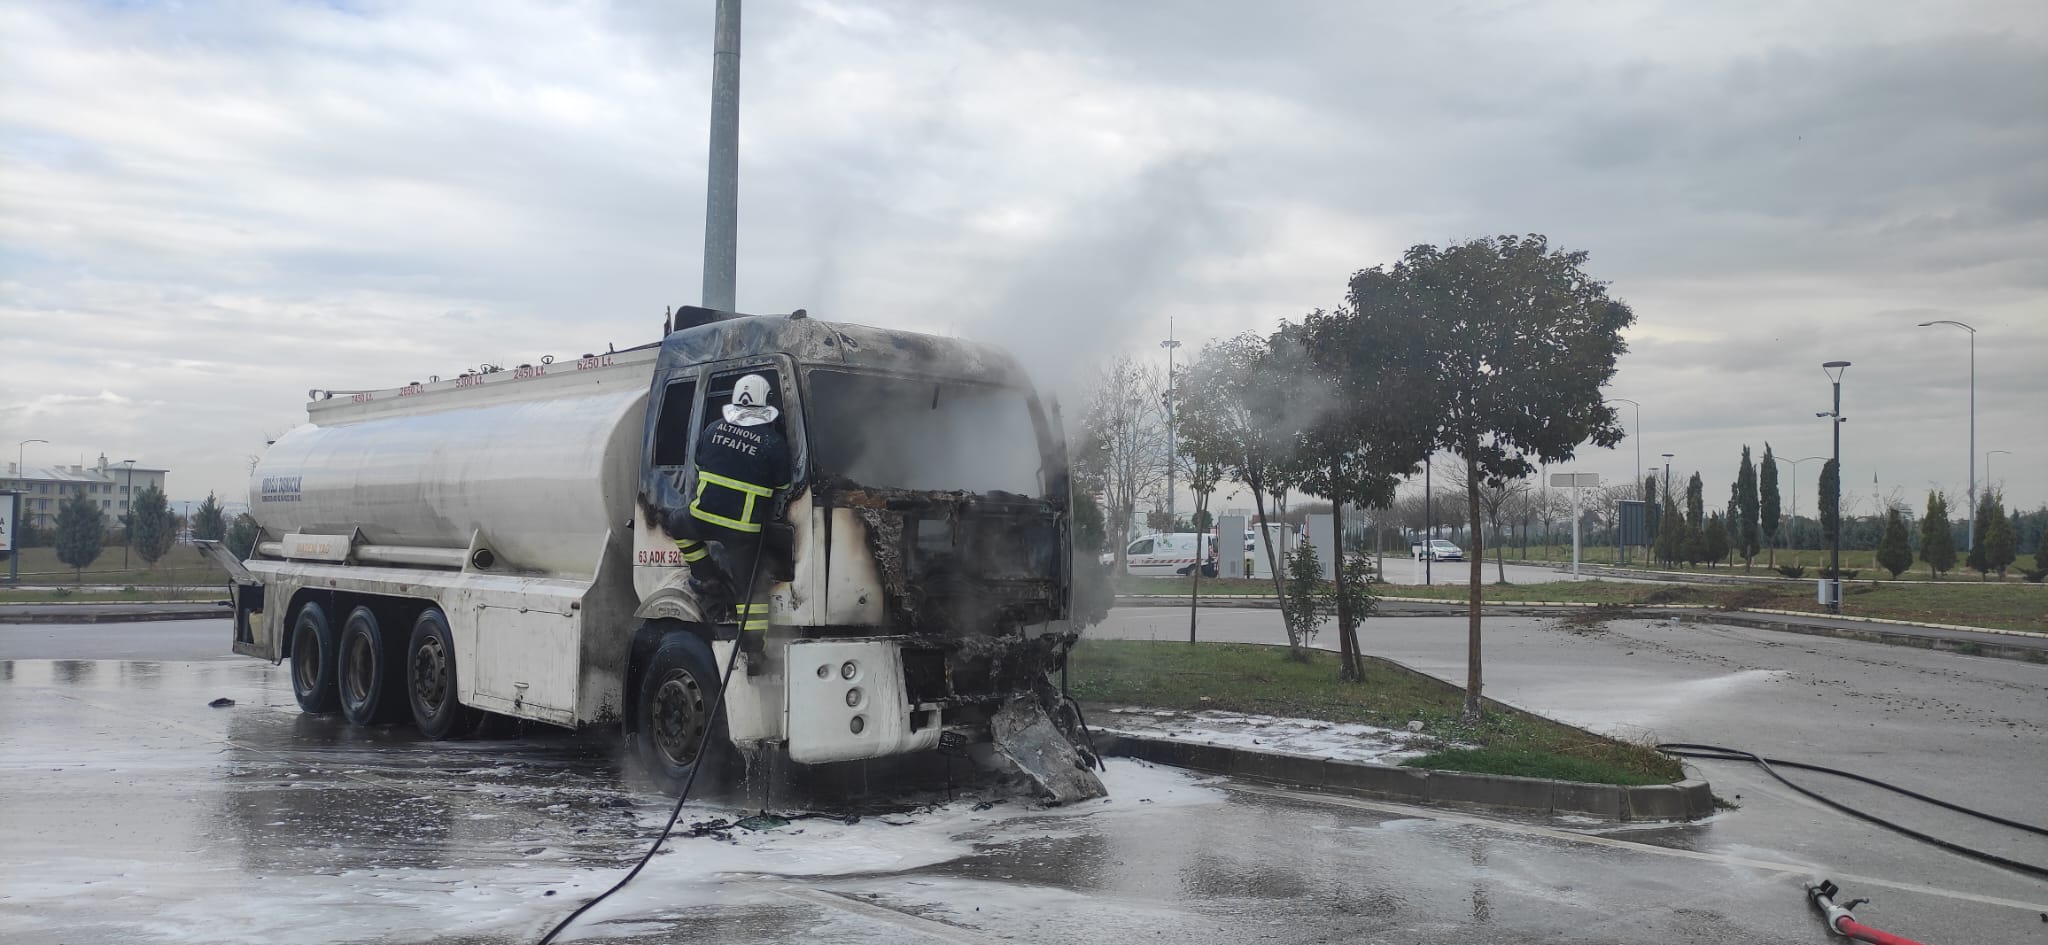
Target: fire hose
<point>1843,923</point>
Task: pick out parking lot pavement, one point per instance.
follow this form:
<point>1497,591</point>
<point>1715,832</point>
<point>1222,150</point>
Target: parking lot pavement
<point>137,813</point>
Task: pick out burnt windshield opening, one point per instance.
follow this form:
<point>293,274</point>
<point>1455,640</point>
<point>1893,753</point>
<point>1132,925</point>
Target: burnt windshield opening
<point>924,434</point>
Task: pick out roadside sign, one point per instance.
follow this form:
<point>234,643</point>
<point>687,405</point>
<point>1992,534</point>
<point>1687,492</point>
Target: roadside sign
<point>7,517</point>
<point>1575,480</point>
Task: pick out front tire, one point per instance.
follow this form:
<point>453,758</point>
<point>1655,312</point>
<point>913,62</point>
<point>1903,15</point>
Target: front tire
<point>314,654</point>
<point>673,730</point>
<point>370,680</point>
<point>430,679</point>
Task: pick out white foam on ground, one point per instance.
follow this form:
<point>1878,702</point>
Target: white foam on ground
<point>1341,741</point>
<point>509,897</point>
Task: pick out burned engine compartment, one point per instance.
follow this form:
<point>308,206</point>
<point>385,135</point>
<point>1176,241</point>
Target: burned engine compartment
<point>976,579</point>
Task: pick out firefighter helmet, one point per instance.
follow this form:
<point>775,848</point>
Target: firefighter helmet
<point>749,405</point>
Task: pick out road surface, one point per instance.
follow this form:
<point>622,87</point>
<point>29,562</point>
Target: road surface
<point>137,813</point>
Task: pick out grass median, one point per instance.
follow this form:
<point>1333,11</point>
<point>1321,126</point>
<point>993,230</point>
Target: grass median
<point>1263,680</point>
<point>2004,606</point>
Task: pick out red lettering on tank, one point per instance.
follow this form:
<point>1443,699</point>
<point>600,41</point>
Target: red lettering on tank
<point>525,371</point>
<point>411,389</point>
<point>593,362</point>
<point>469,380</point>
<point>362,398</point>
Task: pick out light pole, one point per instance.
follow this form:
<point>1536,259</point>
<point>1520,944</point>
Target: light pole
<point>1171,457</point>
<point>1637,434</point>
<point>1835,370</point>
<point>1794,523</point>
<point>21,465</point>
<point>128,519</point>
<point>1990,484</point>
<point>1970,540</point>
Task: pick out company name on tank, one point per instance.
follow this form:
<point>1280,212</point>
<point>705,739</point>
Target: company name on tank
<point>281,488</point>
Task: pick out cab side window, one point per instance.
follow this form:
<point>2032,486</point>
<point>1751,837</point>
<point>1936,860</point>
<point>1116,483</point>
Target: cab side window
<point>672,433</point>
<point>1140,547</point>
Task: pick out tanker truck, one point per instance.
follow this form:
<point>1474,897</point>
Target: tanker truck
<point>493,544</point>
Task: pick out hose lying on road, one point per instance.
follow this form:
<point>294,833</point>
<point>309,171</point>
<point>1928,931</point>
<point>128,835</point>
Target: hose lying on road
<point>1843,922</point>
<point>1718,753</point>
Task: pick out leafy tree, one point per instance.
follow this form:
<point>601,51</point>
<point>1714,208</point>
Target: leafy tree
<point>1354,448</point>
<point>1671,540</point>
<point>1203,454</point>
<point>1504,343</point>
<point>1749,530</point>
<point>1895,550</point>
<point>243,533</point>
<point>1714,539</point>
<point>1767,504</point>
<point>1086,534</point>
<point>152,528</point>
<point>2000,550</point>
<point>1239,383</point>
<point>1937,541</point>
<point>1830,501</point>
<point>81,531</point>
<point>209,522</point>
<point>1159,521</point>
<point>2041,556</point>
<point>1306,605</point>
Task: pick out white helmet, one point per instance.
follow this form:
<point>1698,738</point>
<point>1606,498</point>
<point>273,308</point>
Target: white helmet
<point>749,405</point>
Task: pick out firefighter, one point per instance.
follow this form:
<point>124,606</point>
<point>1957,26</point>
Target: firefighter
<point>742,463</point>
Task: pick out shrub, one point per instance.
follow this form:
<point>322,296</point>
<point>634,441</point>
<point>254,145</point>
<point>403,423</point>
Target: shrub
<point>1793,571</point>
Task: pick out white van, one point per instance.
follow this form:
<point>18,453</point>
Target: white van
<point>1169,554</point>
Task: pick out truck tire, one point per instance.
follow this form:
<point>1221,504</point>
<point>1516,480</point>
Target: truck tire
<point>314,649</point>
<point>430,679</point>
<point>672,731</point>
<point>370,676</point>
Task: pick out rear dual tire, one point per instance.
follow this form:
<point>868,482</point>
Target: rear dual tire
<point>371,678</point>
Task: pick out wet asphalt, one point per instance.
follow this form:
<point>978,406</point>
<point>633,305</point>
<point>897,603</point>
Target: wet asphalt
<point>134,812</point>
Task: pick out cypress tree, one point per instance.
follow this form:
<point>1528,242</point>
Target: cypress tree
<point>1749,530</point>
<point>1830,501</point>
<point>2000,545</point>
<point>1767,503</point>
<point>210,524</point>
<point>1937,541</point>
<point>1977,561</point>
<point>1894,550</point>
<point>1714,538</point>
<point>81,530</point>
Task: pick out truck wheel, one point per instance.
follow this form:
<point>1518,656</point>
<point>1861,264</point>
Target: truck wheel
<point>430,679</point>
<point>314,649</point>
<point>673,730</point>
<point>370,679</point>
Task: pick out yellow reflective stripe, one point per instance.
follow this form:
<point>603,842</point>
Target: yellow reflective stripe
<point>694,555</point>
<point>755,625</point>
<point>720,520</point>
<point>731,483</point>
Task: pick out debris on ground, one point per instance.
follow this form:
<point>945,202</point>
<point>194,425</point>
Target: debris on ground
<point>1026,735</point>
<point>221,703</point>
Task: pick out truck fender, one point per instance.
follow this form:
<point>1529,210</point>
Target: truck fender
<point>673,600</point>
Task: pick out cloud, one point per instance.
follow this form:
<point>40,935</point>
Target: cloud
<point>213,208</point>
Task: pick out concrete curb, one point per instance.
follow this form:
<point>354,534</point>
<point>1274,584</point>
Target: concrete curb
<point>1685,800</point>
<point>10,613</point>
<point>2024,654</point>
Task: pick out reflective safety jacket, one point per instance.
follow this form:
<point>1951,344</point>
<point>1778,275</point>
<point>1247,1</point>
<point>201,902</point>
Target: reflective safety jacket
<point>738,470</point>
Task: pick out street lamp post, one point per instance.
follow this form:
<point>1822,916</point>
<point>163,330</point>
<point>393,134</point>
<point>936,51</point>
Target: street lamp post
<point>1971,535</point>
<point>1835,370</point>
<point>1171,457</point>
<point>128,520</point>
<point>21,466</point>
<point>1990,484</point>
<point>1794,523</point>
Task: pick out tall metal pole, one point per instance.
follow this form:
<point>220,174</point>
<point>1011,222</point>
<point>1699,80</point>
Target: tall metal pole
<point>1171,455</point>
<point>1970,540</point>
<point>1428,521</point>
<point>128,519</point>
<point>1835,370</point>
<point>722,171</point>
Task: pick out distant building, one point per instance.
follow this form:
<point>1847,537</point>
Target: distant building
<point>44,488</point>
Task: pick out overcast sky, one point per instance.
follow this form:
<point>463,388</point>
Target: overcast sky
<point>208,208</point>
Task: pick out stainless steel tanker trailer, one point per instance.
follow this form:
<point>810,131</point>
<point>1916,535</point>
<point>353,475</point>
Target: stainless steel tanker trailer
<point>493,543</point>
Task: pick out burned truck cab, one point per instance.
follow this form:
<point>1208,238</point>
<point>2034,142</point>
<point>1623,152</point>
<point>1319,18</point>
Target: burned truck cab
<point>921,578</point>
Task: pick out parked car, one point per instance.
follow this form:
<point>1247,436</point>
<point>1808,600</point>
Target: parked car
<point>1438,550</point>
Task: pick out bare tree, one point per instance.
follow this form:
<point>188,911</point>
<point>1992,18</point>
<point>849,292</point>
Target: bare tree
<point>1497,500</point>
<point>1126,443</point>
